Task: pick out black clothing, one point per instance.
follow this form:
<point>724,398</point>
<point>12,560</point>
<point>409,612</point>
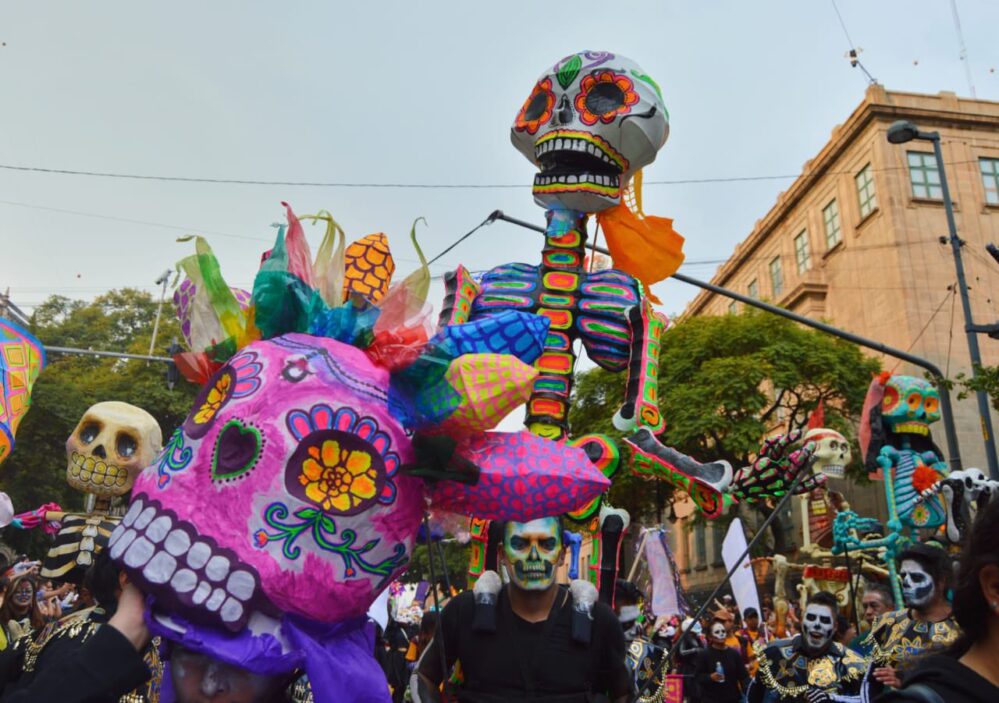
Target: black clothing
<point>101,671</point>
<point>951,680</point>
<point>522,660</point>
<point>736,676</point>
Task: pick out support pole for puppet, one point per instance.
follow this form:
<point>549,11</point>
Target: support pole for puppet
<point>658,696</point>
<point>947,411</point>
<point>638,556</point>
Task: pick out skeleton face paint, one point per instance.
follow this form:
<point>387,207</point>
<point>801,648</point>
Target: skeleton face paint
<point>533,549</point>
<point>818,626</point>
<point>718,632</point>
<point>917,584</point>
<point>22,594</point>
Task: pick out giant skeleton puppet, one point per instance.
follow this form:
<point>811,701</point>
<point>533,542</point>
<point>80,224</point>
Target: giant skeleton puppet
<point>590,124</point>
<point>110,445</point>
<point>329,416</point>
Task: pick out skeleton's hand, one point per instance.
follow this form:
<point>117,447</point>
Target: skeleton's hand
<point>817,695</point>
<point>774,470</point>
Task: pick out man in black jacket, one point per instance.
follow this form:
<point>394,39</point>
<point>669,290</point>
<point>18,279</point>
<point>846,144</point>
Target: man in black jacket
<point>530,640</point>
<point>720,672</point>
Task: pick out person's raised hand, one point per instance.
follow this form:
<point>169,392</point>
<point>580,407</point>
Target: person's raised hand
<point>888,676</point>
<point>129,618</point>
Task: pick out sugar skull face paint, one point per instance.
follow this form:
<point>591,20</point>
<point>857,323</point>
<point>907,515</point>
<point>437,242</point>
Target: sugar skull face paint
<point>22,594</point>
<point>718,632</point>
<point>818,626</point>
<point>533,549</point>
<point>917,584</point>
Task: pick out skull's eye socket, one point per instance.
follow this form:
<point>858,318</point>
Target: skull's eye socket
<point>89,432</point>
<point>536,107</point>
<point>549,544</point>
<point>126,446</point>
<point>913,400</point>
<point>604,98</point>
<point>930,405</point>
<point>518,543</point>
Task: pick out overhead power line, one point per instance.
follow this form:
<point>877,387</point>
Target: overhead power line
<point>418,186</point>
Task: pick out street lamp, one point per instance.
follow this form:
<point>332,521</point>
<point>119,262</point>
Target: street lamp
<point>904,131</point>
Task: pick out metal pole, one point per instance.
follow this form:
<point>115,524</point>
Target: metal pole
<point>946,410</point>
<point>115,355</point>
<point>973,350</point>
<point>164,279</point>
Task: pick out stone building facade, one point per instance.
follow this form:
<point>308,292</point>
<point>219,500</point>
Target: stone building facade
<point>856,241</point>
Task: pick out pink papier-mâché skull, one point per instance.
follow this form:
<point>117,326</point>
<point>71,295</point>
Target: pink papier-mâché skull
<point>284,501</point>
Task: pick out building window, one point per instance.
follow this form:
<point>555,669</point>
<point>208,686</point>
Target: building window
<point>990,179</point>
<point>776,276</point>
<point>865,191</point>
<point>830,215</point>
<point>924,176</point>
<point>753,289</point>
<point>733,308</point>
<point>802,253</point>
<point>700,545</point>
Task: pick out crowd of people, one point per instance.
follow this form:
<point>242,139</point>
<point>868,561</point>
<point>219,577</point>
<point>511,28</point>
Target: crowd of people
<point>526,637</point>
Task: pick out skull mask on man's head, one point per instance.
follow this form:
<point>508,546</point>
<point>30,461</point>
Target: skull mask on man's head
<point>917,584</point>
<point>592,121</point>
<point>832,451</point>
<point>533,550</point>
<point>818,626</point>
<point>718,631</point>
<point>112,443</point>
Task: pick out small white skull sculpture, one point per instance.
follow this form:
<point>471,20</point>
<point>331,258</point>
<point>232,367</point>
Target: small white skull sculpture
<point>832,451</point>
<point>590,124</point>
<point>110,446</point>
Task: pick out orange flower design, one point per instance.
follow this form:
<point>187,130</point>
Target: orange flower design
<point>604,95</point>
<point>338,479</point>
<point>537,109</point>
<point>924,477</point>
<point>216,396</point>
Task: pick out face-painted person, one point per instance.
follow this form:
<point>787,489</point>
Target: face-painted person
<point>924,624</point>
<point>811,666</point>
<point>531,639</point>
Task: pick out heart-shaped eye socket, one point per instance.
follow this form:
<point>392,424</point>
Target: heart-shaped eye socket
<point>237,449</point>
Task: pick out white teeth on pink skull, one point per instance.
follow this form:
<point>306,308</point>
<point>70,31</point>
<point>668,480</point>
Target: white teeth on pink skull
<point>232,610</point>
<point>217,568</point>
<point>241,584</point>
<point>177,542</point>
<point>199,555</point>
<point>215,601</point>
<point>160,568</point>
<point>145,517</point>
<point>133,512</point>
<point>127,537</point>
<point>158,529</point>
<point>184,581</point>
<point>201,592</point>
<point>139,553</point>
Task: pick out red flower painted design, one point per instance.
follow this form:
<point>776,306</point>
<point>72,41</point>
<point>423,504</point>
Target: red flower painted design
<point>537,109</point>
<point>603,96</point>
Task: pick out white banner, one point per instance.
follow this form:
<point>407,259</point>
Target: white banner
<point>743,581</point>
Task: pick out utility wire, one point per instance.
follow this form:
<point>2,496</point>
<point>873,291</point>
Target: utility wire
<point>420,186</point>
<point>951,292</point>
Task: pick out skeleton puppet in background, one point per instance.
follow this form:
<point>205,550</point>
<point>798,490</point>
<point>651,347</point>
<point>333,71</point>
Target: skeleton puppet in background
<point>110,446</point>
<point>811,666</point>
<point>832,455</point>
<point>964,494</point>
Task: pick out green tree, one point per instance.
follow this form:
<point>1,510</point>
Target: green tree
<point>454,555</point>
<point>121,320</point>
<point>724,383</point>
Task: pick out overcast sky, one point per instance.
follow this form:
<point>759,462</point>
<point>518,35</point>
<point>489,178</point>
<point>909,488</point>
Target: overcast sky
<point>410,93</point>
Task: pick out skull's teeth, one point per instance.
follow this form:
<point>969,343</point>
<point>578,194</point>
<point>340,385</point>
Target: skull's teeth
<point>154,543</point>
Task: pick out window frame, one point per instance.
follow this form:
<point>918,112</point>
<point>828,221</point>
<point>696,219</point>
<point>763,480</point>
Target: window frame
<point>870,203</point>
<point>753,289</point>
<point>835,220</point>
<point>927,165</point>
<point>803,263</point>
<point>994,175</point>
<point>733,308</point>
<point>776,282</point>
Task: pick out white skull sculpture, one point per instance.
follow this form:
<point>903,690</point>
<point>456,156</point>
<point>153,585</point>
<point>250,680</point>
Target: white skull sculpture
<point>110,446</point>
<point>832,451</point>
<point>590,124</point>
